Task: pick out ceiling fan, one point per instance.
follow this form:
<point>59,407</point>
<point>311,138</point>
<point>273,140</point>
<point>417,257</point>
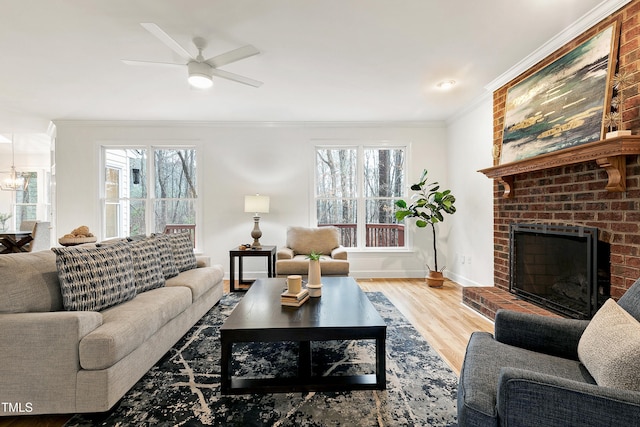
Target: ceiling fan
<point>201,71</point>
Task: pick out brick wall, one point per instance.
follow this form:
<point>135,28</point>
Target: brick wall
<point>575,194</point>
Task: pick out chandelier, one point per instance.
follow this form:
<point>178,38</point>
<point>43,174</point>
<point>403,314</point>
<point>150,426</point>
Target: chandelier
<point>15,181</point>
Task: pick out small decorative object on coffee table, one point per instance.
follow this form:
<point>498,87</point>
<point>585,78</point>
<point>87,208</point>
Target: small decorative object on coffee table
<point>294,296</point>
<point>314,284</point>
<point>294,300</point>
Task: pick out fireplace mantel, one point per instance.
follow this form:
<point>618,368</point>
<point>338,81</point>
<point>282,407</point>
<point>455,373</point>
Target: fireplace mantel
<point>610,154</point>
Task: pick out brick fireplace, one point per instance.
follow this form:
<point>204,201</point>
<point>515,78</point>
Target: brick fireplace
<point>572,194</point>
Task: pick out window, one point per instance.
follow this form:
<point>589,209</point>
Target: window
<point>27,199</point>
<point>142,194</point>
<point>355,190</point>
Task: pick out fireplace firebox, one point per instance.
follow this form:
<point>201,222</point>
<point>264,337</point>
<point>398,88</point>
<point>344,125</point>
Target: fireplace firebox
<point>561,268</point>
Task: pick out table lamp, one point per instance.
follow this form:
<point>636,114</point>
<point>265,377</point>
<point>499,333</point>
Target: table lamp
<point>256,204</point>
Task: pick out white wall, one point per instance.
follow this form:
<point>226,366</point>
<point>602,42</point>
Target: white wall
<point>470,243</point>
<point>236,160</point>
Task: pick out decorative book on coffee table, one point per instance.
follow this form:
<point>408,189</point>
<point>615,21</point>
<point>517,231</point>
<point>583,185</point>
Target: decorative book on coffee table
<point>294,300</point>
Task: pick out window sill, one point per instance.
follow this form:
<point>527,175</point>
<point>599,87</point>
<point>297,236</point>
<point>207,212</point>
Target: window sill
<point>380,250</point>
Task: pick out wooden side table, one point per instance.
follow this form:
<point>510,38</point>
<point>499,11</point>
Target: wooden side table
<point>267,251</point>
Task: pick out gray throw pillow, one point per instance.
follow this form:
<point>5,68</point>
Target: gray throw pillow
<point>146,265</point>
<point>183,253</point>
<point>94,278</point>
<point>165,250</point>
<point>609,348</point>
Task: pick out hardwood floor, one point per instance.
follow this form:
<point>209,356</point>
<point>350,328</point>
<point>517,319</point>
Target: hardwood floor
<point>437,314</point>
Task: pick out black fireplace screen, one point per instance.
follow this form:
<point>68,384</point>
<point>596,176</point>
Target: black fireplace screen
<point>562,268</point>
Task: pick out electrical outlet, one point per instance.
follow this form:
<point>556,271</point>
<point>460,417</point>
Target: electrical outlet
<point>468,259</point>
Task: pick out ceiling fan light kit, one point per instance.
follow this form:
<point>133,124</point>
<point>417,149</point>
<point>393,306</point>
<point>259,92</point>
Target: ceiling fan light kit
<point>201,70</point>
<point>200,75</point>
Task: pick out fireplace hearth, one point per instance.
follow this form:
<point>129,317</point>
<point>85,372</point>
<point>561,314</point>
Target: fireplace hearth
<point>564,269</point>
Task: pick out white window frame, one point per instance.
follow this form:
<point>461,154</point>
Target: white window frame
<point>150,199</point>
<point>360,147</point>
<point>43,203</point>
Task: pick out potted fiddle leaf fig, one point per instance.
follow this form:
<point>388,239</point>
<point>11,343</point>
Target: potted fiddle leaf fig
<point>428,206</point>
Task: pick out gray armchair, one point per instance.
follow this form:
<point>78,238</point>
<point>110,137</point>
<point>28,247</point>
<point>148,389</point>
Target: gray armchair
<point>531,374</point>
<point>292,259</point>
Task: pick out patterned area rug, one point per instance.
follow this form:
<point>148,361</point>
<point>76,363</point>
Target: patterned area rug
<point>183,389</point>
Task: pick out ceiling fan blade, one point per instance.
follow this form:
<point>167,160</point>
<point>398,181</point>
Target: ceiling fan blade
<point>235,77</point>
<point>168,64</point>
<point>232,56</point>
<point>167,40</point>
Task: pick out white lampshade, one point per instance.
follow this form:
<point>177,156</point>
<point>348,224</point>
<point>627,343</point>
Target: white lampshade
<point>256,204</point>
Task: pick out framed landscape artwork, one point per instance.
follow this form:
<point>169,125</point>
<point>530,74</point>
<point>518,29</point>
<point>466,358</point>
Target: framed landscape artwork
<point>563,104</point>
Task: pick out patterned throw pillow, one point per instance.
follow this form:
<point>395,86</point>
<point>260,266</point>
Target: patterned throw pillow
<point>92,278</point>
<point>165,250</point>
<point>183,251</point>
<point>146,265</point>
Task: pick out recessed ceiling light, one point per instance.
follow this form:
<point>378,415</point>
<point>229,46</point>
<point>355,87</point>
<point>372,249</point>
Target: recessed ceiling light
<point>445,85</point>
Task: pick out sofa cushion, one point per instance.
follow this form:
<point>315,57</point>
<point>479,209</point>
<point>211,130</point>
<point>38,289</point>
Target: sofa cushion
<point>167,261</point>
<point>29,283</point>
<point>126,326</point>
<point>609,348</point>
<point>95,278</point>
<point>146,265</point>
<point>182,247</point>
<point>198,280</point>
<point>304,240</point>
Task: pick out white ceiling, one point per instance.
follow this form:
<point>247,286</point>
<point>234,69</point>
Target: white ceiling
<point>321,60</point>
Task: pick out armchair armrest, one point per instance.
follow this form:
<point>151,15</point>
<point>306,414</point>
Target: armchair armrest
<point>285,253</point>
<point>339,253</point>
<point>550,335</point>
<point>530,398</point>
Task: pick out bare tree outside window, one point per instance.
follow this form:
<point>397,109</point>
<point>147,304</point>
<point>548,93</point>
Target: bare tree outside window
<point>175,187</point>
<point>344,190</point>
<point>167,192</point>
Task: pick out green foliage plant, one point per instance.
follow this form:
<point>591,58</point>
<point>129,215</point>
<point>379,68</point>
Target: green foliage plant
<point>313,256</point>
<point>428,206</point>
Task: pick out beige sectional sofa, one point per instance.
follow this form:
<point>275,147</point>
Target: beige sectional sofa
<point>62,353</point>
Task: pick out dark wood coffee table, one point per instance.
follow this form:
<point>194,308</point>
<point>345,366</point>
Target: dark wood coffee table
<point>343,312</point>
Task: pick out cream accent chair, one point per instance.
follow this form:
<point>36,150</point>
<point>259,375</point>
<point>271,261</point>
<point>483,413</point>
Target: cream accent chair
<point>41,237</point>
<point>301,241</point>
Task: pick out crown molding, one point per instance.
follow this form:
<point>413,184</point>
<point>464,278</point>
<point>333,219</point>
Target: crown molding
<point>591,18</point>
<point>241,124</point>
